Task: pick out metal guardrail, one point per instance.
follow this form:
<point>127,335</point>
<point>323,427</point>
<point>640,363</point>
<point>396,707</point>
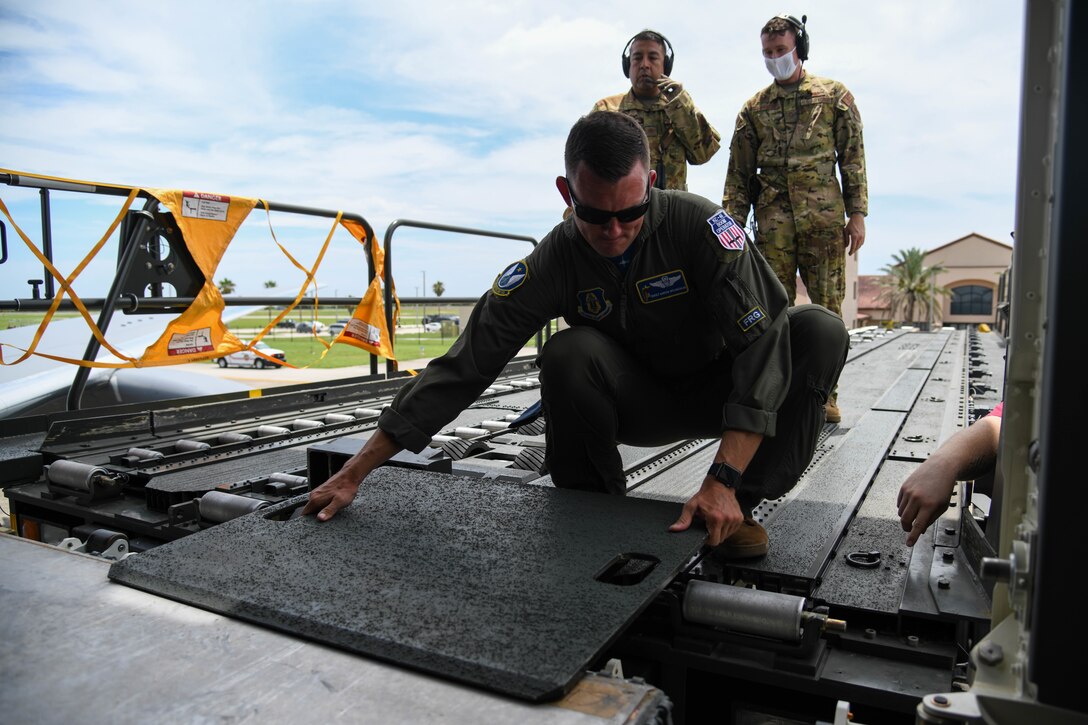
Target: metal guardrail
<point>143,232</point>
<point>391,365</point>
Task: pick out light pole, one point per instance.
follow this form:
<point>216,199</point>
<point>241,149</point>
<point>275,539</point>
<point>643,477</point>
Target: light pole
<point>424,317</point>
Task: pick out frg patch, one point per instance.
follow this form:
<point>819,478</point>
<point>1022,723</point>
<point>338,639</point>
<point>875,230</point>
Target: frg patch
<point>750,318</point>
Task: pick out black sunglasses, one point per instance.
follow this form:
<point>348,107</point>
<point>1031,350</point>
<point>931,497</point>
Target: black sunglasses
<point>599,216</point>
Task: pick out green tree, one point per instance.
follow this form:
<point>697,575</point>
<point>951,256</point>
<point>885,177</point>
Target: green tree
<point>438,288</point>
<point>909,285</point>
<point>226,286</point>
<point>270,284</point>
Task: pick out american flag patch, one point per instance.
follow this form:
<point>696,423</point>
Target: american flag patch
<point>728,232</point>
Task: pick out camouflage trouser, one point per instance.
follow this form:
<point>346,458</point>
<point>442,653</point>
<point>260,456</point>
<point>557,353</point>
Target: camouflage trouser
<point>818,254</point>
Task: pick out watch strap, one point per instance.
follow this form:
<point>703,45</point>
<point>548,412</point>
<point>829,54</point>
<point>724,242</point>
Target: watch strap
<point>725,474</point>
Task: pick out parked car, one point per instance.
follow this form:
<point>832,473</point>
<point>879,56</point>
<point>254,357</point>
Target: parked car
<point>442,318</point>
<point>288,324</point>
<point>315,327</point>
<point>337,327</point>
<point>248,359</point>
<point>432,326</point>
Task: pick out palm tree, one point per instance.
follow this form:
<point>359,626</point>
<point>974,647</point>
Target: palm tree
<point>226,285</point>
<point>270,284</point>
<point>909,283</point>
<point>438,288</point>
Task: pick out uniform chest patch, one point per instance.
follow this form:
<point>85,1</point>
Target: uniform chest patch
<point>751,318</point>
<point>670,284</point>
<point>511,278</point>
<point>593,305</point>
<point>728,232</point>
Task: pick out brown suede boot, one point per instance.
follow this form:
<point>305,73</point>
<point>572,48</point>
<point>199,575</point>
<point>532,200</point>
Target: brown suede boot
<point>831,411</point>
<point>747,541</point>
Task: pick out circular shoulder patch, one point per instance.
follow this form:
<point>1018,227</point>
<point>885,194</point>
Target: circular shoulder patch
<point>511,278</point>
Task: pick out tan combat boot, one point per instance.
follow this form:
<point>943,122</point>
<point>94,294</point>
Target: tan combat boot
<point>747,541</point>
<point>831,410</point>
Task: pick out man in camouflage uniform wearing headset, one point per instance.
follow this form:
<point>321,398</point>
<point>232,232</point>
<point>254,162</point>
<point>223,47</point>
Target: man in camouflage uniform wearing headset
<point>679,133</point>
<point>788,139</point>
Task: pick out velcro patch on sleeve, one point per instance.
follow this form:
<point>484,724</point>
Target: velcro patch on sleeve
<point>729,233</point>
<point>751,318</point>
<point>511,278</point>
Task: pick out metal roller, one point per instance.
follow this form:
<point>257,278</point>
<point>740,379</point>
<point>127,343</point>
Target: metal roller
<point>366,412</point>
<point>339,418</point>
<point>233,438</point>
<point>751,611</point>
<point>218,506</point>
<point>185,446</point>
<point>469,432</point>
<point>73,474</point>
<point>271,430</point>
<point>144,454</point>
<point>525,384</point>
<point>288,479</point>
<point>493,425</point>
<point>304,424</point>
<point>438,440</point>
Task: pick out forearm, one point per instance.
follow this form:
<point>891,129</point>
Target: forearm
<point>737,447</point>
<point>971,452</point>
<point>378,449</point>
<point>694,132</point>
<point>736,197</point>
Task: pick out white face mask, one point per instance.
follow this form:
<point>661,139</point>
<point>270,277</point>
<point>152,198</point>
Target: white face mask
<point>781,67</point>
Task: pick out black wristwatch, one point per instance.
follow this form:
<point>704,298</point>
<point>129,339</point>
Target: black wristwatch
<point>725,474</point>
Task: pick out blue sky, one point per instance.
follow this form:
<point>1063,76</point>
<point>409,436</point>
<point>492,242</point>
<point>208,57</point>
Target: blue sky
<point>456,113</point>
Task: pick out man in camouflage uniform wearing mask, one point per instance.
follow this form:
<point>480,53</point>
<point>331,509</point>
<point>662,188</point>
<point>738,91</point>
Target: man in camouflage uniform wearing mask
<point>679,133</point>
<point>788,139</point>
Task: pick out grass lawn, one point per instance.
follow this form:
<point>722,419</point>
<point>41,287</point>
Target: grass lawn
<point>305,350</point>
<point>19,319</point>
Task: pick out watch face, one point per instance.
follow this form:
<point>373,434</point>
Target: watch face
<point>725,474</point>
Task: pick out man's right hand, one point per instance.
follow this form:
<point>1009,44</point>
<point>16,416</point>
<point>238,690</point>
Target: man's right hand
<point>339,491</point>
<point>717,506</point>
<point>333,495</point>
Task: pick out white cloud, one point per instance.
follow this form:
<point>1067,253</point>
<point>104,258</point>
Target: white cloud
<point>457,113</point>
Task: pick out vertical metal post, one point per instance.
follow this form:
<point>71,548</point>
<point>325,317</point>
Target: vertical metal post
<point>47,243</point>
<point>128,251</point>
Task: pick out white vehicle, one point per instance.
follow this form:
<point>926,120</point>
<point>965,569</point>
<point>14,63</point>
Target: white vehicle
<point>249,359</point>
<point>432,326</point>
<point>337,327</point>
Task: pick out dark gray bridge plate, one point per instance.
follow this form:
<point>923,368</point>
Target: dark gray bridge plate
<point>487,583</point>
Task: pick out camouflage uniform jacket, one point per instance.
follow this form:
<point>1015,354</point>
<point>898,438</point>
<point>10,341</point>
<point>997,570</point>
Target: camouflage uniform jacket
<point>678,128</point>
<point>786,144</point>
<point>694,290</point>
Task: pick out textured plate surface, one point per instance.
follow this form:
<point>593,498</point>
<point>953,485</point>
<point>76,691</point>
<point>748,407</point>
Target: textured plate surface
<point>488,583</point>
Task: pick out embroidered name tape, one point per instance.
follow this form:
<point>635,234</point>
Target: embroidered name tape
<point>670,284</point>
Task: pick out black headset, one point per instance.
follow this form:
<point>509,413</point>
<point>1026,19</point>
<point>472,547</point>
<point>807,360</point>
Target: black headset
<point>626,58</point>
<point>800,31</point>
